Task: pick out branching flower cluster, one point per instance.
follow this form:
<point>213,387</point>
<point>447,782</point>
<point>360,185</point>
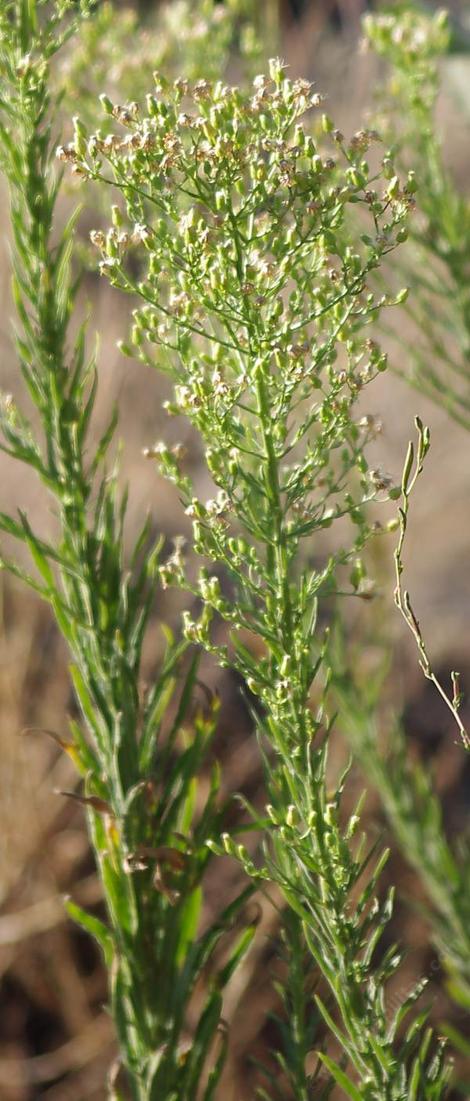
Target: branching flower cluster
<point>256,307</point>
<point>251,235</point>
<point>196,35</point>
<point>255,296</point>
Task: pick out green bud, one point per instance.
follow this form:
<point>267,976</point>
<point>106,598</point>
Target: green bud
<point>80,139</point>
<point>299,137</point>
<point>393,187</point>
<point>276,69</point>
<point>411,185</point>
<point>106,104</point>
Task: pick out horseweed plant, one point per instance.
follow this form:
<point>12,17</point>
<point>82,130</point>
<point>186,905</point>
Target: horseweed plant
<point>414,44</point>
<point>406,788</point>
<point>434,263</point>
<point>148,819</point>
<point>437,361</point>
<point>254,297</point>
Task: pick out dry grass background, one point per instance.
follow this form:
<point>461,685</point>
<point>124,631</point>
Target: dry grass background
<point>56,1039</point>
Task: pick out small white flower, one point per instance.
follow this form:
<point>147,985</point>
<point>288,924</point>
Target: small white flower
<point>107,264</point>
<point>140,233</point>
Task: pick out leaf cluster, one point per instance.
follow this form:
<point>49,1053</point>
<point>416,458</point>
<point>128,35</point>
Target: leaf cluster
<point>140,753</point>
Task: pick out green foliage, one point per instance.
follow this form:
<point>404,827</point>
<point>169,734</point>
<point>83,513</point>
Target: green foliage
<point>196,36</point>
<point>148,819</point>
<point>413,810</point>
<point>255,299</point>
<point>254,250</point>
<point>436,359</point>
<point>298,1026</point>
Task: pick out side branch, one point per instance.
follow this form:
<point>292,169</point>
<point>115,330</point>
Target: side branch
<point>411,471</point>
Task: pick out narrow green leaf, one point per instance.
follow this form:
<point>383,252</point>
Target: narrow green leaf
<point>94,927</point>
<point>340,1077</point>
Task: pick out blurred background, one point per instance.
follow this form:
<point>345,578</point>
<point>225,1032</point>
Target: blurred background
<point>56,1040</point>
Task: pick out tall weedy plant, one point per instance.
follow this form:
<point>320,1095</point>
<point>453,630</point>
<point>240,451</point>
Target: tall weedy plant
<point>414,44</point>
<point>255,298</point>
<point>434,263</point>
<point>148,819</point>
